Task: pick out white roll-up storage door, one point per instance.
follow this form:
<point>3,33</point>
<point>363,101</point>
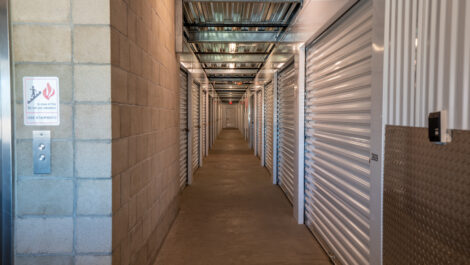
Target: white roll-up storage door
<point>204,123</point>
<point>287,80</point>
<point>268,126</point>
<point>183,129</point>
<point>196,125</point>
<point>337,130</point>
<point>259,122</point>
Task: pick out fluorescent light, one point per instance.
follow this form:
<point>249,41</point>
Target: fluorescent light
<point>232,47</point>
<point>231,65</point>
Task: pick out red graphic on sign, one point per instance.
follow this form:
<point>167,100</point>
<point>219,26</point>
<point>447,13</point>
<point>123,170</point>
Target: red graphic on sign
<point>48,92</point>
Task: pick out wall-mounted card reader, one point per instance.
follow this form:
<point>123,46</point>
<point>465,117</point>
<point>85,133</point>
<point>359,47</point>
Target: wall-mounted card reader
<point>438,131</point>
<point>42,152</point>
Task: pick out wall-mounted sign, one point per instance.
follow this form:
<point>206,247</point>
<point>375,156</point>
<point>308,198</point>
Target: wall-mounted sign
<point>41,101</point>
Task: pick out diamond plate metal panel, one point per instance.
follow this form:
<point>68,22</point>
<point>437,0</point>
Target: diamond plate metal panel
<point>426,198</point>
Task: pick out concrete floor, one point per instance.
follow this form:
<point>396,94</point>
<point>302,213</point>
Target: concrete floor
<point>232,214</point>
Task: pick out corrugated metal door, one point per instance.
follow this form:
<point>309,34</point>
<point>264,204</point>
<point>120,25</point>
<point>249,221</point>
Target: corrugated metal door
<point>268,126</point>
<point>183,129</point>
<point>286,130</point>
<point>259,121</point>
<point>337,136</point>
<point>204,119</point>
<point>196,125</point>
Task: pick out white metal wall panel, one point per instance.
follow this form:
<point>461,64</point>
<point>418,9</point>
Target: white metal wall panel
<point>427,61</point>
<point>337,136</point>
<point>286,130</point>
<point>183,129</point>
<point>259,122</point>
<point>268,125</point>
<point>196,125</point>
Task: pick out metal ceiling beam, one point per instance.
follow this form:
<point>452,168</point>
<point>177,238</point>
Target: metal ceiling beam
<point>232,36</point>
<point>232,79</point>
<point>230,71</point>
<point>230,86</point>
<point>231,58</point>
<point>231,53</point>
<point>245,1</point>
<point>261,24</point>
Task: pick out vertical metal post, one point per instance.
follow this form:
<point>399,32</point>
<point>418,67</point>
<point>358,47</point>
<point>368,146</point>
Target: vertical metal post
<point>378,108</point>
<point>190,129</point>
<point>6,159</point>
<point>299,201</point>
<point>275,129</point>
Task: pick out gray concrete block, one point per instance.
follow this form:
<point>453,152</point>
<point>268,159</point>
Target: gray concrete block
<point>93,121</point>
<point>44,260</point>
<point>93,160</point>
<point>94,197</point>
<point>64,130</point>
<point>45,197</point>
<point>62,159</point>
<point>44,235</point>
<point>92,83</point>
<point>93,235</point>
<point>93,260</point>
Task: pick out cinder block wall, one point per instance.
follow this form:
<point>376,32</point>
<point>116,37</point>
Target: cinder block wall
<point>65,217</point>
<point>145,127</point>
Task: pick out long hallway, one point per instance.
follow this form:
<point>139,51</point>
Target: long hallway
<point>232,214</point>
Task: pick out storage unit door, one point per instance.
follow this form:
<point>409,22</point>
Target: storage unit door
<point>337,130</point>
<point>183,129</point>
<point>268,126</point>
<point>196,126</point>
<point>204,119</point>
<point>259,121</point>
<point>286,130</point>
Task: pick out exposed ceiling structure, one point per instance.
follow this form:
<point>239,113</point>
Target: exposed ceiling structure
<point>233,39</point>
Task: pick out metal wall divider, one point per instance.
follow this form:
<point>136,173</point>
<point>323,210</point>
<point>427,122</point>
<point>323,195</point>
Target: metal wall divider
<point>337,136</point>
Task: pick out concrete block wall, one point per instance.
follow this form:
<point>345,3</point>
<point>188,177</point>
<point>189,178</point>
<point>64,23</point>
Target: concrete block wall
<point>145,126</point>
<point>65,217</point>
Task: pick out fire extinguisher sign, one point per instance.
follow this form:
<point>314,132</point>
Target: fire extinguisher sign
<point>41,101</point>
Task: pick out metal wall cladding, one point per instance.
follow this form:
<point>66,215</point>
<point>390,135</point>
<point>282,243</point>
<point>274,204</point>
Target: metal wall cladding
<point>268,125</point>
<point>426,198</point>
<point>286,130</point>
<point>259,122</point>
<point>427,61</point>
<point>183,129</point>
<point>196,124</point>
<point>337,136</point>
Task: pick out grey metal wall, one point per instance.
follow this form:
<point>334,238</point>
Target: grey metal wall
<point>427,61</point>
<point>183,129</point>
<point>426,198</point>
<point>287,80</point>
<point>195,105</point>
<point>337,136</point>
<point>268,125</point>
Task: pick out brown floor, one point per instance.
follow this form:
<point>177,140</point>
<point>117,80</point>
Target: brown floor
<point>232,214</point>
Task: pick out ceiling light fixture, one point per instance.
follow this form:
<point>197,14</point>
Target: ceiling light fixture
<point>231,65</point>
<point>232,47</point>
